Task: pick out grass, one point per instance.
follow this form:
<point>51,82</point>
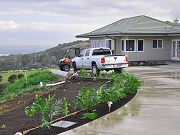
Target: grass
<point>6,75</point>
<point>31,84</point>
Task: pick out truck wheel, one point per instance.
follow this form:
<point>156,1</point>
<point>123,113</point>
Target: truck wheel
<point>95,70</point>
<point>119,70</point>
<point>74,66</point>
<point>66,68</point>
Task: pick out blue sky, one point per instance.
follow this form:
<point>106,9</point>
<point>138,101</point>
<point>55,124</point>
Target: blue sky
<point>49,22</point>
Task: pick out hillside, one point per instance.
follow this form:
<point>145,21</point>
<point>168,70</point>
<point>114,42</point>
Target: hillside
<point>47,58</point>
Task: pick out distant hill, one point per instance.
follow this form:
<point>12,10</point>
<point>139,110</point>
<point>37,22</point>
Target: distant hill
<point>47,58</point>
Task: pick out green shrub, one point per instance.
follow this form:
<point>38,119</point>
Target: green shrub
<point>12,78</point>
<point>129,82</point>
<point>83,73</point>
<point>87,98</point>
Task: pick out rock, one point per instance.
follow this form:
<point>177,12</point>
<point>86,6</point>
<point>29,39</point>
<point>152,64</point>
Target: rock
<point>18,133</point>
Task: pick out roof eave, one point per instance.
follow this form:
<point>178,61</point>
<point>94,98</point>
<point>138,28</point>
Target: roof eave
<point>125,34</point>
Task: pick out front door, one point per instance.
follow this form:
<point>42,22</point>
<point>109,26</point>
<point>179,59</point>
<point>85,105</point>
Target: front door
<point>175,54</point>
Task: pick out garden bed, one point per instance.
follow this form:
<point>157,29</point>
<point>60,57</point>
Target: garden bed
<point>101,110</point>
<point>80,101</point>
<point>14,117</point>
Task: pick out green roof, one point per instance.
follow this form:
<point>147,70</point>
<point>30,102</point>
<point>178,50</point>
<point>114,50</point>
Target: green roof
<point>135,26</point>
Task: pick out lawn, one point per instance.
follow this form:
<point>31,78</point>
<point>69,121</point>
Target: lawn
<point>6,75</point>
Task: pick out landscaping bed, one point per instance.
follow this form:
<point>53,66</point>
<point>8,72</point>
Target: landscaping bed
<point>80,100</point>
<point>101,111</point>
<point>16,120</point>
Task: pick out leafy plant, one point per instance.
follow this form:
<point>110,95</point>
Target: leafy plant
<point>56,109</point>
<point>90,116</point>
<point>83,73</point>
<point>87,98</point>
<point>65,107</point>
<point>47,109</point>
<point>2,126</point>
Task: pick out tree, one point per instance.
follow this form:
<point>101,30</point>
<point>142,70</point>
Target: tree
<point>12,78</point>
<point>19,76</point>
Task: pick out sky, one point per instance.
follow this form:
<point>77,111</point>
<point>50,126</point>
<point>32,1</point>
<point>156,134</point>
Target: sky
<point>50,22</point>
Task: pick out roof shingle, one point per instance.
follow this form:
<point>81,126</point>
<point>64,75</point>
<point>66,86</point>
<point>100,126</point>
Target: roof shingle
<point>135,25</point>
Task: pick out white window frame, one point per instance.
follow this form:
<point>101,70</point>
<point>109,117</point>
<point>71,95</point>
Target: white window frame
<point>134,45</point>
<point>137,45</point>
<point>157,44</point>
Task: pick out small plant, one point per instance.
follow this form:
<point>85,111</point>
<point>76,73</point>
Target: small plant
<point>65,107</point>
<point>90,116</point>
<point>55,109</point>
<point>46,108</point>
<point>87,98</point>
<point>83,73</point>
<point>2,126</point>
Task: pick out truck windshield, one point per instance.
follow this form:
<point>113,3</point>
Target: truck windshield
<point>101,52</point>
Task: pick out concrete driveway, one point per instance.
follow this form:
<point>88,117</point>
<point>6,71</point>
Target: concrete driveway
<point>155,110</point>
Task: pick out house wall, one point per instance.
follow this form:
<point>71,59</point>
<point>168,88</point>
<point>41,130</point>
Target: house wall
<point>149,52</point>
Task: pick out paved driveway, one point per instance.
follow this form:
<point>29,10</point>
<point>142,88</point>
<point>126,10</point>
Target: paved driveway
<point>154,111</point>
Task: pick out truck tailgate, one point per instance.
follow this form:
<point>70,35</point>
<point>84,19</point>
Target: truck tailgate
<point>115,59</point>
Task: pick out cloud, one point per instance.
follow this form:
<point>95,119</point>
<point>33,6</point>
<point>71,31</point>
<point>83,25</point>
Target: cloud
<point>7,25</point>
<point>50,22</point>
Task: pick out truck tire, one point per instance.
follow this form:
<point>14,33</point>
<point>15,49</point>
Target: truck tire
<point>66,67</point>
<point>95,70</point>
<point>74,66</point>
<point>119,70</point>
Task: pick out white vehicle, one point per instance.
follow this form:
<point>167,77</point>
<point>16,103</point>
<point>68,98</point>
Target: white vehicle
<point>99,59</point>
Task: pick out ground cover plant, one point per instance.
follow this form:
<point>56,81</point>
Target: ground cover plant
<point>31,83</point>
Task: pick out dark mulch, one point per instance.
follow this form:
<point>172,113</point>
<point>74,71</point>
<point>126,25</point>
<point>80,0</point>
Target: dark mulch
<point>16,120</point>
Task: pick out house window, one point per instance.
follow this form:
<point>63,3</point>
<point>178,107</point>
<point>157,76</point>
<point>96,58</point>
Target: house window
<point>140,45</point>
<point>108,44</point>
<point>158,44</point>
<point>130,45</point>
<point>122,45</point>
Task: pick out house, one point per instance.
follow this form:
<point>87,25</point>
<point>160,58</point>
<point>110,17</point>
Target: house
<point>142,38</point>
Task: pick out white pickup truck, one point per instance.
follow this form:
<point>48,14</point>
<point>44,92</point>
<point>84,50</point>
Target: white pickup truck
<point>99,59</point>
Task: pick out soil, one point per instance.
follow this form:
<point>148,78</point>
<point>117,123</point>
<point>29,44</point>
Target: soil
<point>15,120</point>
